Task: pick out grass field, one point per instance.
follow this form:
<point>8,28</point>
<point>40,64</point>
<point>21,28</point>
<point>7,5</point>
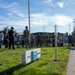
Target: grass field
<point>11,62</point>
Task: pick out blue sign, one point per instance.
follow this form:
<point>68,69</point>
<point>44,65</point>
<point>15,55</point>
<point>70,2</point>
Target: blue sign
<point>34,55</point>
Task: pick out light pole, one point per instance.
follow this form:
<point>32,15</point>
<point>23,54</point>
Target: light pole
<point>29,20</point>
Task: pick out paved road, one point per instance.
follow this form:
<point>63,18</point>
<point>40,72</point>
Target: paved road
<point>71,63</point>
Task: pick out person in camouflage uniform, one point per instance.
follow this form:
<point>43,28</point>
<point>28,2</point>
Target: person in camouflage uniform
<point>39,40</point>
<point>26,36</point>
<point>73,39</point>
<point>42,40</point>
<point>46,39</point>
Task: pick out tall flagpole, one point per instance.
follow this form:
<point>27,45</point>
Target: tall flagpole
<point>29,19</point>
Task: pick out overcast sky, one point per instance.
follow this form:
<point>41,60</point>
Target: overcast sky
<point>44,14</point>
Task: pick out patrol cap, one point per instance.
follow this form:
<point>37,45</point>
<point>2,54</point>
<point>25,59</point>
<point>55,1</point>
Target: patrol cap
<point>12,27</point>
<point>26,26</point>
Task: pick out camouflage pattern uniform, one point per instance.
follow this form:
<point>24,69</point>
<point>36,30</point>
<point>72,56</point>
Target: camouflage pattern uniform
<point>73,38</point>
<point>26,37</point>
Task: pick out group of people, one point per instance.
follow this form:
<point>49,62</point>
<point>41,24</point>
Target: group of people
<point>35,40</point>
<point>71,40</point>
<point>8,38</point>
<point>27,40</point>
<point>40,40</point>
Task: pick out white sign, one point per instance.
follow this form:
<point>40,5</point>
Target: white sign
<point>30,56</point>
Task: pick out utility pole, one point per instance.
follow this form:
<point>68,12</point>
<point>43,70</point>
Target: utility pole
<point>29,20</point>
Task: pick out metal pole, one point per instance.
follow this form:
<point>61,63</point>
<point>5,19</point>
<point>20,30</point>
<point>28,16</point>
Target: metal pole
<point>74,32</point>
<point>29,20</point>
<point>56,51</point>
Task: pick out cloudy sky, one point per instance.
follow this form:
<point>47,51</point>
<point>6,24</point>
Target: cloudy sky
<point>44,14</point>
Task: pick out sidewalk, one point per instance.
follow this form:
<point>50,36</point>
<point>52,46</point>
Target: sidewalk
<point>71,63</point>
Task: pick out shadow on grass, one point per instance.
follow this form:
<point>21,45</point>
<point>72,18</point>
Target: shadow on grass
<point>0,64</point>
<point>11,70</point>
<point>29,71</point>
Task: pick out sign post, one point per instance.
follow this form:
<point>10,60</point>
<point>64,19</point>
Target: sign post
<point>56,51</point>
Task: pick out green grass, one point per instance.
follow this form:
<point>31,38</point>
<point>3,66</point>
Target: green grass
<point>11,62</point>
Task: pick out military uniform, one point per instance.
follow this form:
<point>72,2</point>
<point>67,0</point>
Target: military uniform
<point>26,37</point>
<point>73,38</point>
<point>11,38</point>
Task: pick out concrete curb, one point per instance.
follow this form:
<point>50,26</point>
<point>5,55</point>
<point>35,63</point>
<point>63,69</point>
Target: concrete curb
<point>71,63</point>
